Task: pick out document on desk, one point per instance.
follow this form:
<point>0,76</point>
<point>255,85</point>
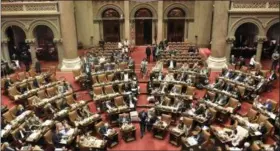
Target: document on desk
<point>192,141</point>
<point>258,133</point>
<point>47,123</point>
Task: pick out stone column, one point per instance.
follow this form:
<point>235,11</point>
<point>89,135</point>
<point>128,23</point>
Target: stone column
<point>217,60</point>
<point>71,60</point>
<point>101,30</point>
<point>261,39</point>
<point>5,55</point>
<point>230,41</point>
<point>32,45</point>
<point>160,22</point>
<point>59,48</point>
<point>126,21</point>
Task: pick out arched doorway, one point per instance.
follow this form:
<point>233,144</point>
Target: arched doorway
<point>176,25</point>
<point>273,38</point>
<point>16,43</point>
<point>111,25</point>
<point>245,44</point>
<point>143,26</point>
<point>46,49</point>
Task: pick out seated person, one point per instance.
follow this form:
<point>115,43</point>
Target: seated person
<point>183,128</point>
<point>131,101</point>
<point>160,76</point>
<point>109,105</point>
<point>268,105</point>
<point>219,84</point>
<point>228,87</point>
<point>221,99</point>
<point>108,67</point>
<point>208,115</point>
<point>7,147</point>
<point>201,109</point>
<point>104,129</point>
<point>199,137</point>
<point>262,128</point>
<point>189,80</point>
<point>22,134</point>
<point>174,90</point>
<point>169,77</point>
<point>20,110</point>
<point>135,88</point>
<point>61,131</point>
<point>239,77</point>
<point>272,76</point>
<point>124,119</point>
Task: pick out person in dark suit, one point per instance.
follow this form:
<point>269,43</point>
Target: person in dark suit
<point>37,66</point>
<point>148,53</point>
<point>143,115</point>
<point>154,52</point>
<point>221,99</point>
<point>199,138</point>
<point>123,120</point>
<point>20,110</point>
<point>103,129</point>
<point>101,43</point>
<point>7,147</point>
<point>201,109</point>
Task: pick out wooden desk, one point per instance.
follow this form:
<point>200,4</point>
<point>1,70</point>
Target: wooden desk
<point>128,134</point>
<point>175,137</point>
<point>159,131</point>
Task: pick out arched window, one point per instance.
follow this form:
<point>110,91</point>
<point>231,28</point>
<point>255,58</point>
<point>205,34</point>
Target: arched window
<point>111,25</point>
<point>143,12</point>
<point>176,12</point>
<point>110,13</point>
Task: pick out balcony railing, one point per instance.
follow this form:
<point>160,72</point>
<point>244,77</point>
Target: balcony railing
<point>254,6</point>
<point>27,8</point>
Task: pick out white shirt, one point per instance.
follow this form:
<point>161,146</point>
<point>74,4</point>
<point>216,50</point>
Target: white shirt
<point>126,42</point>
<point>120,45</point>
<point>252,61</point>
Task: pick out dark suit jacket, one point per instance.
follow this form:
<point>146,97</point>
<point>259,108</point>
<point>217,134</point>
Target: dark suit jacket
<point>200,138</point>
<point>148,51</point>
<point>103,130</point>
<point>143,116</point>
<point>56,140</point>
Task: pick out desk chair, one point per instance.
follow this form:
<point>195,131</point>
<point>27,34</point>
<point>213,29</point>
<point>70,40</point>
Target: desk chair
<point>123,65</point>
<point>8,116</point>
<point>109,89</point>
<point>94,79</point>
<point>190,93</point>
<point>274,105</point>
<point>251,115</point>
<point>120,104</point>
<point>52,91</point>
<point>110,77</point>
<point>22,76</point>
<point>48,140</point>
<point>13,92</point>
<point>70,100</point>
<point>42,94</point>
<point>234,104</point>
<point>112,140</point>
<point>262,118</point>
<point>102,78</point>
<point>270,130</point>
<point>159,132</point>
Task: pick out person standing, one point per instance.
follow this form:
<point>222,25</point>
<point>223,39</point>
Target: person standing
<point>148,53</point>
<point>143,118</point>
<point>154,53</point>
<point>275,60</point>
<point>25,60</point>
<point>37,66</point>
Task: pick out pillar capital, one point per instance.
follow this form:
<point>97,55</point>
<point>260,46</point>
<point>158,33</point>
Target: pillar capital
<point>230,39</point>
<point>5,41</point>
<point>30,41</point>
<point>261,39</point>
<point>57,40</point>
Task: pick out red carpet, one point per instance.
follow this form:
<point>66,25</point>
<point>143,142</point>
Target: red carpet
<point>148,142</point>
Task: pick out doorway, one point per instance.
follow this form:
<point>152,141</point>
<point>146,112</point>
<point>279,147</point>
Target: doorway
<point>143,32</point>
<point>176,30</point>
